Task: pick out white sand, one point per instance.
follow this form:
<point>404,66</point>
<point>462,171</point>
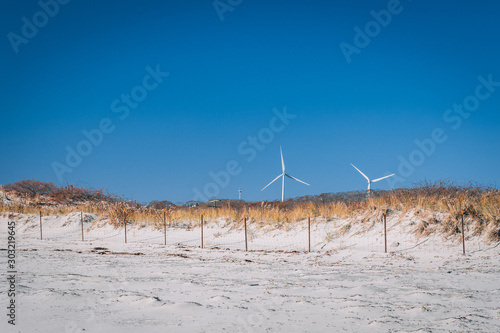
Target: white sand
<point>65,285</point>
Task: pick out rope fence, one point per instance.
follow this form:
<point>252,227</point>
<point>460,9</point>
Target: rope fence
<point>309,235</point>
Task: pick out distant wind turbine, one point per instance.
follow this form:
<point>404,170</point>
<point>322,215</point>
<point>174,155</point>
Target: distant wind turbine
<point>283,175</point>
<point>371,181</point>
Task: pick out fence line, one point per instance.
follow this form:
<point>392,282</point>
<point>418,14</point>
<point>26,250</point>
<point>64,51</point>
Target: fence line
<point>314,236</point>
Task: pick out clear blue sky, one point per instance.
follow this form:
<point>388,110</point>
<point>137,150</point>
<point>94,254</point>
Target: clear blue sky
<point>225,79</point>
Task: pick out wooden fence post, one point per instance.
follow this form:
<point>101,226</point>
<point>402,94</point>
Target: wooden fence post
<point>41,235</point>
<point>164,227</point>
<point>246,239</point>
<point>385,229</point>
<point>463,233</point>
<point>81,220</point>
<point>125,224</point>
<point>309,231</point>
<point>201,222</point>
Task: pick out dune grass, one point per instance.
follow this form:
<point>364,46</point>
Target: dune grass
<point>439,206</point>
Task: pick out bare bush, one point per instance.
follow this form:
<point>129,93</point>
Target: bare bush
<point>120,213</point>
<point>46,193</point>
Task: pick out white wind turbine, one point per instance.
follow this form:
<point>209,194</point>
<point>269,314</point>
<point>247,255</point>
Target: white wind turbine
<point>371,181</point>
<point>283,175</point>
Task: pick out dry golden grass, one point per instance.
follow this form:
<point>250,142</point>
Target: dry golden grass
<point>439,205</point>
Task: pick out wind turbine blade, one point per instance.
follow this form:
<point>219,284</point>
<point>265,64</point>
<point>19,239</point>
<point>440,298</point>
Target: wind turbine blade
<point>282,162</point>
<point>297,179</point>
<point>360,172</point>
<point>275,179</point>
<point>376,180</point>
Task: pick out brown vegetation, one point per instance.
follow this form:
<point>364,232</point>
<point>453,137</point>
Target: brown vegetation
<point>481,207</point>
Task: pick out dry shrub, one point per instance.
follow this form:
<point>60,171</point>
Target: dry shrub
<point>120,213</point>
<point>46,193</point>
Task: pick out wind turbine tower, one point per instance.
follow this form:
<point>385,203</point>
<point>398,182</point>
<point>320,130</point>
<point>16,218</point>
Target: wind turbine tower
<point>283,175</point>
